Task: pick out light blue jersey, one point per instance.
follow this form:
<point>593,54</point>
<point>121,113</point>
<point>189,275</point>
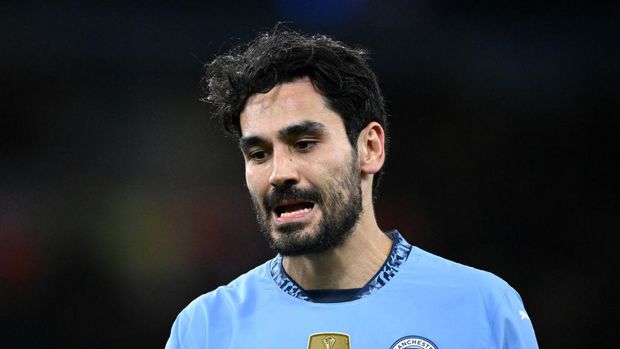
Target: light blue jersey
<point>417,300</point>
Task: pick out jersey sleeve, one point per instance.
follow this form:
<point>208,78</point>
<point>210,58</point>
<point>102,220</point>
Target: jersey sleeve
<point>189,329</point>
<point>174,341</point>
<point>512,327</point>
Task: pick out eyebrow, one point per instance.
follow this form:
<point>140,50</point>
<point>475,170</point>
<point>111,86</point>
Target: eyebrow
<point>246,143</point>
<point>306,127</point>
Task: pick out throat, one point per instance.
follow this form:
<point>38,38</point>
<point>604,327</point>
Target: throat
<point>349,266</point>
<point>325,273</point>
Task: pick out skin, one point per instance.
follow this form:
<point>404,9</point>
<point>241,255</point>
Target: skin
<point>305,160</point>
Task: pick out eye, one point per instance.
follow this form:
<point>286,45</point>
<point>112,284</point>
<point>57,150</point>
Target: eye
<point>257,155</point>
<point>305,144</point>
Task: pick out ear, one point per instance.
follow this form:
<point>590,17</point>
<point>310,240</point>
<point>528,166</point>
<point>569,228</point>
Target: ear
<point>371,148</point>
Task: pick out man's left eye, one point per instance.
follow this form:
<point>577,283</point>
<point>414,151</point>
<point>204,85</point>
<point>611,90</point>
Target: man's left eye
<point>304,144</point>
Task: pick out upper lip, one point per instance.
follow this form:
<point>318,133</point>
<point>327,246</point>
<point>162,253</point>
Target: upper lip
<point>283,203</point>
<point>290,202</point>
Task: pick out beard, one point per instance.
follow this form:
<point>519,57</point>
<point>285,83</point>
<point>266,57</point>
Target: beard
<point>341,206</point>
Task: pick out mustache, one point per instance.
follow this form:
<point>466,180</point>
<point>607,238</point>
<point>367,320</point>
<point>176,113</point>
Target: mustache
<point>279,194</point>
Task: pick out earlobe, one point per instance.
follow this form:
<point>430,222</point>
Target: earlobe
<point>371,146</point>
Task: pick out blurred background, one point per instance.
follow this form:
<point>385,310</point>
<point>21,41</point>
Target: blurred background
<point>120,201</point>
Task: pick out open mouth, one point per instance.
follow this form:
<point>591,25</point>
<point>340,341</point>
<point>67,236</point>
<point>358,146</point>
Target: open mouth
<point>290,211</point>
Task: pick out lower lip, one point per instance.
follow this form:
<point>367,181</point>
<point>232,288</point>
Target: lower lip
<point>294,218</point>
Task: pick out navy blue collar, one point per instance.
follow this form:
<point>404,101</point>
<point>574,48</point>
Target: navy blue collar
<point>398,255</point>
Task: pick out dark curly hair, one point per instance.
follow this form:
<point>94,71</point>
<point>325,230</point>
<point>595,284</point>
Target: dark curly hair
<point>340,73</point>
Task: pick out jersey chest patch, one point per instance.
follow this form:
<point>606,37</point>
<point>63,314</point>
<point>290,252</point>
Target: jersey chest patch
<point>413,342</point>
<point>329,341</point>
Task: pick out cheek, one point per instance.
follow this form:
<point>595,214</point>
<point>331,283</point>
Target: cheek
<point>254,180</point>
<point>249,182</point>
<point>329,166</point>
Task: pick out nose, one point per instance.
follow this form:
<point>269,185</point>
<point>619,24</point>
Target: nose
<point>284,170</point>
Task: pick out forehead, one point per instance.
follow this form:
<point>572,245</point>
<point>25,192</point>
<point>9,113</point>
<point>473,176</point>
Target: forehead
<point>285,105</point>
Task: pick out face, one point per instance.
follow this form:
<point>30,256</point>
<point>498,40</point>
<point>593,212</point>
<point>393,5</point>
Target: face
<point>301,170</point>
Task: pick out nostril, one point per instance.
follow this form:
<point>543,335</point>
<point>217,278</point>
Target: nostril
<point>284,184</point>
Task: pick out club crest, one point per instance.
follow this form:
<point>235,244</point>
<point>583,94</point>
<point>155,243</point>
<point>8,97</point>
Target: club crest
<point>329,341</point>
<point>413,342</point>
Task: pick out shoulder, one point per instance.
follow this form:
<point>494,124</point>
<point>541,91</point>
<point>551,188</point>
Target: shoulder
<point>478,291</point>
<point>211,310</point>
<point>446,272</point>
<point>446,279</point>
<point>234,293</point>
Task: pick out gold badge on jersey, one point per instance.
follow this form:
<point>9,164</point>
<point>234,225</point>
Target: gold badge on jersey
<point>329,341</point>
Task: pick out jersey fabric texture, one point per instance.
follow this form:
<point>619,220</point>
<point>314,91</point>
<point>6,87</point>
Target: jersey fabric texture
<point>416,300</point>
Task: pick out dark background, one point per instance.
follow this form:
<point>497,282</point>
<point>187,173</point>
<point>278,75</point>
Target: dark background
<point>120,202</point>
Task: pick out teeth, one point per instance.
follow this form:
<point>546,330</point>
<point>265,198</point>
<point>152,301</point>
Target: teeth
<point>286,214</point>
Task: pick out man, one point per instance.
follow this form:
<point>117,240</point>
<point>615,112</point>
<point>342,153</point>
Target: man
<point>311,125</point>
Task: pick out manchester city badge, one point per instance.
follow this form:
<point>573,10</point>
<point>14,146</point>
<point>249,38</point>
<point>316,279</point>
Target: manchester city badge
<point>413,342</point>
<point>329,341</point>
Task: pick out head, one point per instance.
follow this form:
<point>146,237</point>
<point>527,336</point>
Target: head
<point>300,106</point>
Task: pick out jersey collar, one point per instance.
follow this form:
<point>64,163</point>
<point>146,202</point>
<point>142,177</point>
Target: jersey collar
<point>398,255</point>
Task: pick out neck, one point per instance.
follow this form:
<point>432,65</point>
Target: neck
<point>348,266</point>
